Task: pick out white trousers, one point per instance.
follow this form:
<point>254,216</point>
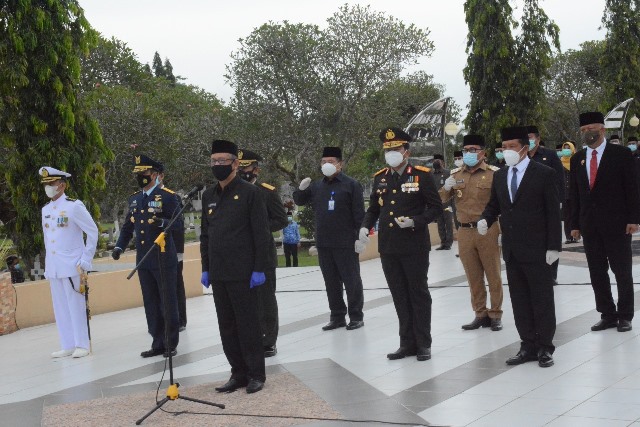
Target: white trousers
<point>70,310</point>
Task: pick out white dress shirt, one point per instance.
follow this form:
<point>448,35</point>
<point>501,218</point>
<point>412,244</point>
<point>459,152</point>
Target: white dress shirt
<point>599,152</point>
<point>522,167</point>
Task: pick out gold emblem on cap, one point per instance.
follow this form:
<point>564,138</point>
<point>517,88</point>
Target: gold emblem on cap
<point>45,173</point>
<point>235,197</point>
<point>390,134</point>
<point>240,154</point>
<point>138,160</point>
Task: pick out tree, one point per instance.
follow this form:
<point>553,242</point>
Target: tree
<point>158,68</point>
<point>168,71</point>
<point>490,67</point>
<point>534,55</point>
<point>41,122</point>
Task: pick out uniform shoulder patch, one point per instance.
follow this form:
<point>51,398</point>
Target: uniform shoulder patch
<point>268,186</point>
<point>494,168</point>
<point>168,190</point>
<point>71,199</point>
<point>422,168</point>
<point>380,171</point>
<point>133,194</point>
<point>455,170</point>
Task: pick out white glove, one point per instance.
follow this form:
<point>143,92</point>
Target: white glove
<point>180,257</point>
<point>499,239</point>
<point>84,265</point>
<point>364,235</point>
<point>560,205</point>
<point>304,184</point>
<point>360,246</point>
<point>449,183</point>
<point>552,256</point>
<point>483,227</point>
<point>404,222</point>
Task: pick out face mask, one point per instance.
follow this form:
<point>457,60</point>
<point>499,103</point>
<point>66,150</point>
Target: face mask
<point>633,147</point>
<point>393,158</point>
<point>143,180</point>
<point>51,190</point>
<point>328,169</point>
<point>566,152</point>
<point>500,155</point>
<point>590,137</point>
<point>458,163</point>
<point>470,159</point>
<point>512,157</point>
<point>248,176</point>
<point>221,172</point>
<point>437,165</point>
<point>290,218</point>
<point>17,266</point>
<point>559,153</point>
<point>532,144</point>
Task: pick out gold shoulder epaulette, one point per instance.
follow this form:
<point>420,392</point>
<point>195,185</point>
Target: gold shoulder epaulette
<point>268,186</point>
<point>423,169</point>
<point>71,199</point>
<point>455,170</point>
<point>380,171</point>
<point>168,191</point>
<point>494,168</point>
<point>133,194</point>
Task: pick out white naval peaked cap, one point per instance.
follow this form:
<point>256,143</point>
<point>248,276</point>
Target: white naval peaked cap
<point>50,174</point>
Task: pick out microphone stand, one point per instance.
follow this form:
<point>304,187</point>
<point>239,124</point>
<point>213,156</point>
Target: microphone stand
<point>172,390</point>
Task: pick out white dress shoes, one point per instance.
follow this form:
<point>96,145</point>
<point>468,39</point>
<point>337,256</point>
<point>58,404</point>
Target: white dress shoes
<point>62,353</point>
<point>80,352</point>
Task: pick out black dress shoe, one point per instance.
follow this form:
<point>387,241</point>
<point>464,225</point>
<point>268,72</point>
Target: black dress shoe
<point>152,352</point>
<point>441,247</point>
<point>173,353</point>
<point>270,350</point>
<point>545,359</point>
<point>231,385</point>
<point>401,353</point>
<point>624,325</point>
<point>496,324</point>
<point>604,324</point>
<point>355,324</point>
<point>254,386</point>
<point>334,324</point>
<point>522,357</point>
<point>182,328</point>
<point>423,354</point>
<point>478,322</point>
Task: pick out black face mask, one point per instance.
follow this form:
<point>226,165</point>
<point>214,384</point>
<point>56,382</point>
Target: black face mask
<point>590,137</point>
<point>143,180</point>
<point>248,176</point>
<point>221,172</point>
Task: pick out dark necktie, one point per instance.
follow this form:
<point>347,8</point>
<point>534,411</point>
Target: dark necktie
<point>394,177</point>
<point>593,168</point>
<point>514,184</point>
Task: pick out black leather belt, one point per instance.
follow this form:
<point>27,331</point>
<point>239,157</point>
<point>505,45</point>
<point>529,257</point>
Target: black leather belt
<point>469,224</point>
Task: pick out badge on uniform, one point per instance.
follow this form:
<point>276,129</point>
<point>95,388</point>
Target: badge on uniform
<point>459,193</point>
<point>63,220</point>
<point>210,211</point>
<point>380,201</point>
<point>235,197</point>
<point>332,203</point>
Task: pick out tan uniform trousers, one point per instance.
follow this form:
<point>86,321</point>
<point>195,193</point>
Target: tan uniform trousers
<point>480,256</point>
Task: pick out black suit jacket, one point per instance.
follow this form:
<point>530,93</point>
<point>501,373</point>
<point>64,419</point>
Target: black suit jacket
<point>531,224</point>
<point>614,201</point>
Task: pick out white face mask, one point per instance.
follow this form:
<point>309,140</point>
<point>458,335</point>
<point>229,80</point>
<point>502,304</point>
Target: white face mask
<point>458,163</point>
<point>328,169</point>
<point>51,190</point>
<point>393,158</point>
<point>512,157</point>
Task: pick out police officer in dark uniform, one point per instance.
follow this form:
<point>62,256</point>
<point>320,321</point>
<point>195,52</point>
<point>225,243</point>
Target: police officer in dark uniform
<point>445,221</point>
<point>405,200</point>
<point>267,302</point>
<point>234,247</point>
<point>150,211</point>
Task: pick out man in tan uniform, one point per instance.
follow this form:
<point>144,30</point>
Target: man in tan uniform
<point>470,186</point>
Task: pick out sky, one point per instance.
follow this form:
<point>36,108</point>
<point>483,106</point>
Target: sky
<point>198,36</point>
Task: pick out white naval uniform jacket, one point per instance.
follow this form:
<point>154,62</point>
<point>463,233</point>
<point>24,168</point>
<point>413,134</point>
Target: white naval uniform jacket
<point>63,222</point>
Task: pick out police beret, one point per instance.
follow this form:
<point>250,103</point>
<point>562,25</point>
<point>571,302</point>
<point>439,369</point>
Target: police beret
<point>394,137</point>
<point>247,157</point>
<point>532,129</point>
<point>143,163</point>
<point>438,157</point>
<point>473,140</point>
<point>223,146</point>
<point>50,174</point>
<point>591,117</point>
<point>515,132</point>
<point>332,152</point>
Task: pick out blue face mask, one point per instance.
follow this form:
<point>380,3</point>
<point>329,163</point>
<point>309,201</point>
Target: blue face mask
<point>500,155</point>
<point>532,144</point>
<point>559,153</point>
<point>566,152</point>
<point>632,147</point>
<point>470,159</point>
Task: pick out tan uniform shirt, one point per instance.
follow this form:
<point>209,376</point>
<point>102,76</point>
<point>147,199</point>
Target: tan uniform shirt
<point>471,192</point>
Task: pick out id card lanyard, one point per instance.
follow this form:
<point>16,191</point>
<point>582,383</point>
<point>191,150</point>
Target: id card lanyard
<point>332,203</point>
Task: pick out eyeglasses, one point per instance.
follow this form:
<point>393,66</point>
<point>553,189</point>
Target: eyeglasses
<point>471,150</point>
<point>215,162</point>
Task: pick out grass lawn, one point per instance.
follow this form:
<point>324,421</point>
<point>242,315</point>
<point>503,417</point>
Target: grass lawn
<point>304,260</point>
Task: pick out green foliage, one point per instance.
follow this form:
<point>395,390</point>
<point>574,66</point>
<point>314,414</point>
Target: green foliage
<point>41,122</point>
<point>307,221</point>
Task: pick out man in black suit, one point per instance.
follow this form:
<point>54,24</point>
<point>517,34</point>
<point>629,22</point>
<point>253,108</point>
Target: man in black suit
<point>606,213</point>
<point>525,197</point>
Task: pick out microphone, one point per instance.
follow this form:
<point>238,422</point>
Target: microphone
<point>193,191</point>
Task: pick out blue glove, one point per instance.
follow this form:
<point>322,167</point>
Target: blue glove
<point>257,279</point>
<point>204,279</point>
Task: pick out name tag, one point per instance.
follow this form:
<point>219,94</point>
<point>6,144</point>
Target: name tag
<point>332,204</point>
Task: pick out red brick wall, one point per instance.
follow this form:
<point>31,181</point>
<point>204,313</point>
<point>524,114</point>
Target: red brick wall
<point>7,305</point>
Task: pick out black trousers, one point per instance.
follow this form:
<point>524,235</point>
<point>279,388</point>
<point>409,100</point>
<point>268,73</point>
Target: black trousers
<point>606,250</point>
<point>268,309</point>
<point>406,276</point>
<point>153,300</point>
<point>182,297</point>
<point>290,251</point>
<point>531,292</point>
<point>445,228</point>
<point>566,217</point>
<point>341,266</point>
<point>237,310</point>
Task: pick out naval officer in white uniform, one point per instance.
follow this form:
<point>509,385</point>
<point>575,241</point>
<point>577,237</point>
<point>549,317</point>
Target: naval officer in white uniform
<point>64,220</point>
